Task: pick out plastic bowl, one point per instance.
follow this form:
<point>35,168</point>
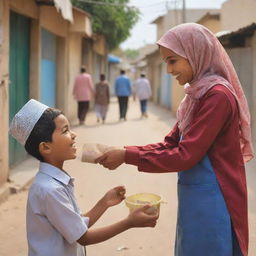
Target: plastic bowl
<point>138,200</point>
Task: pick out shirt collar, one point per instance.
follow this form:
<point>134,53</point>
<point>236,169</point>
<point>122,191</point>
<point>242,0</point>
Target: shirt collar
<point>55,173</point>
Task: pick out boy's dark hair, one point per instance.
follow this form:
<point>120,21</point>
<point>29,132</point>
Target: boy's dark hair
<point>102,77</point>
<point>122,72</point>
<point>142,75</point>
<point>42,132</point>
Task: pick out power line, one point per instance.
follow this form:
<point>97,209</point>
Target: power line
<point>159,3</point>
<point>104,3</point>
<point>129,6</point>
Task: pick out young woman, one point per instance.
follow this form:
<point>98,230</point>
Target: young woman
<point>208,146</point>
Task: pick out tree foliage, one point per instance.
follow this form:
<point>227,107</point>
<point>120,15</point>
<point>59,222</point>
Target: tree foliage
<point>114,22</point>
<point>131,53</point>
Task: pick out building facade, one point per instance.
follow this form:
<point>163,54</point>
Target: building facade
<point>41,51</point>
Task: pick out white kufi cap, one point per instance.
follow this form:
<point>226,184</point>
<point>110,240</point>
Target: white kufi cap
<point>24,121</point>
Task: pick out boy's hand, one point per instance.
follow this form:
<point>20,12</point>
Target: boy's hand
<point>114,196</point>
<point>140,218</point>
<point>112,159</point>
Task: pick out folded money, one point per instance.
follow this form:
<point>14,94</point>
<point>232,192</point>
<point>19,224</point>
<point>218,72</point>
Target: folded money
<point>91,151</point>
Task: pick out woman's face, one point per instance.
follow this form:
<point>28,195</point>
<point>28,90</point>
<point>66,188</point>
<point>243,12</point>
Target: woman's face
<point>177,66</point>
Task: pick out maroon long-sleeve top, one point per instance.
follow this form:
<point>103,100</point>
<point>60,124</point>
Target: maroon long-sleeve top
<point>214,131</point>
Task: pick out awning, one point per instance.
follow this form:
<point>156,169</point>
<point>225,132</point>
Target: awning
<point>237,38</point>
<point>113,59</point>
<point>65,7</point>
<point>99,44</point>
<point>82,22</point>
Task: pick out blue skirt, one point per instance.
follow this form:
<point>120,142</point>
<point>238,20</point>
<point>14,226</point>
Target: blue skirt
<point>204,225</point>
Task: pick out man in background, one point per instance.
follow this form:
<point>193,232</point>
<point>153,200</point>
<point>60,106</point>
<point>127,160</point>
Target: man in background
<point>123,90</point>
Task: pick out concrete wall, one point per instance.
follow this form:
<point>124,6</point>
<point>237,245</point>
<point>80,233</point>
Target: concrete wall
<point>62,74</point>
<point>4,85</point>
<point>154,74</point>
<point>160,27</point>
<point>25,7</point>
<point>174,17</point>
<point>68,62</point>
<point>244,61</point>
<point>237,13</point>
<point>212,24</point>
<point>99,45</point>
<point>74,65</point>
<point>113,72</point>
<point>177,95</point>
<point>53,21</point>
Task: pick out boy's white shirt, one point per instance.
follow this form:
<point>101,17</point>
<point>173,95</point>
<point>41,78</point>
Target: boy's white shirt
<point>54,221</point>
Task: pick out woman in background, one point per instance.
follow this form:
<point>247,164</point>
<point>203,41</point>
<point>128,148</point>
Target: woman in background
<point>102,99</point>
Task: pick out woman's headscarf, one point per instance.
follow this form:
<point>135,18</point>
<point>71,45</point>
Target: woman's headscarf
<point>211,66</point>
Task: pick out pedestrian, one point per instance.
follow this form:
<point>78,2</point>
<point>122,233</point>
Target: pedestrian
<point>208,146</point>
<point>55,225</point>
<point>123,90</point>
<point>143,92</point>
<point>102,99</point>
<point>82,91</point>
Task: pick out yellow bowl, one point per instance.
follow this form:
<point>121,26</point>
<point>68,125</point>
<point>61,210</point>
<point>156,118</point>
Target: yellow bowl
<point>138,200</point>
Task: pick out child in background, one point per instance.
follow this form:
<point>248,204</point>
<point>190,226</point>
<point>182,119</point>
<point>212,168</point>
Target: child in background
<point>102,99</point>
<point>55,225</point>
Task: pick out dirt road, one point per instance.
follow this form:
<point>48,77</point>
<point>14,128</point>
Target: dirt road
<point>92,181</point>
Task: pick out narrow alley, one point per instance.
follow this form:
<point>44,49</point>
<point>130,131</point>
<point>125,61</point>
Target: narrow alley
<point>92,181</point>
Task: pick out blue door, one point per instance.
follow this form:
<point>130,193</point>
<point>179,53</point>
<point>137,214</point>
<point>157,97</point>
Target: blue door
<point>166,90</point>
<point>48,69</point>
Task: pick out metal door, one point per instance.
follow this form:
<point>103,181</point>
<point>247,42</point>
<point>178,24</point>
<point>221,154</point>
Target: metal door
<point>19,76</point>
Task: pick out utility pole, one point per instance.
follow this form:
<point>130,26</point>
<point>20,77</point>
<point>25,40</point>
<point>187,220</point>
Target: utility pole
<point>183,11</point>
<point>166,6</point>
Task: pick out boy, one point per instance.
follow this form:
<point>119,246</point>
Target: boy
<point>55,226</point>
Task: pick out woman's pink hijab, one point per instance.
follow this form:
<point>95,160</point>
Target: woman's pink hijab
<point>211,65</point>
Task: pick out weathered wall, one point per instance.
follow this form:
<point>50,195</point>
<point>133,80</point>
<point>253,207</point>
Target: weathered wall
<point>75,59</point>
<point>53,21</point>
<point>212,24</point>
<point>4,78</point>
<point>237,13</point>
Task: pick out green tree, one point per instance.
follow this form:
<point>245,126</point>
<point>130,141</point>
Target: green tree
<point>131,53</point>
<point>112,21</point>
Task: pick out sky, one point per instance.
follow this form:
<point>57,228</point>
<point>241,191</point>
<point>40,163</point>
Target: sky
<point>144,32</point>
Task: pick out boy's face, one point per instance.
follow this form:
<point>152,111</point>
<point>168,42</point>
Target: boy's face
<point>62,146</point>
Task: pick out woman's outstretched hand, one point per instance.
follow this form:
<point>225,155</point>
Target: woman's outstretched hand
<point>112,159</point>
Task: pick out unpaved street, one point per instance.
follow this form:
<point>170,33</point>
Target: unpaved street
<point>92,181</point>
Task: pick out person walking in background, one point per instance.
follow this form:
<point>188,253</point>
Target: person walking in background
<point>102,98</point>
<point>208,146</point>
<point>143,92</point>
<point>123,90</point>
<point>82,91</point>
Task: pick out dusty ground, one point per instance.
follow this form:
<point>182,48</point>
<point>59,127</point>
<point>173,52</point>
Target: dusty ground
<point>92,181</point>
